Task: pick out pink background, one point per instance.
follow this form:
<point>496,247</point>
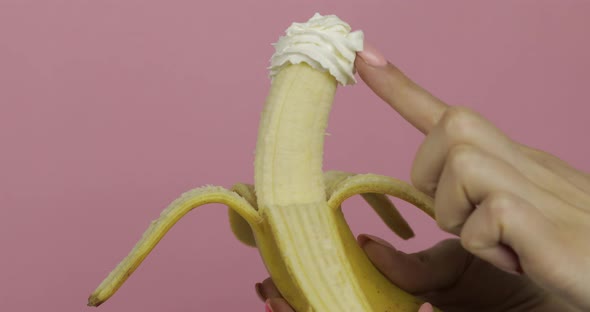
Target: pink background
<point>110,109</point>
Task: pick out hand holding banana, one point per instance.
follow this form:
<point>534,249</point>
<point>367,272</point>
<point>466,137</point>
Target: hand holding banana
<point>523,214</point>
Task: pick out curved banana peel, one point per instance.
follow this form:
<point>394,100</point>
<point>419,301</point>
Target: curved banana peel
<point>372,183</point>
<point>239,226</point>
<point>158,228</point>
<point>382,205</point>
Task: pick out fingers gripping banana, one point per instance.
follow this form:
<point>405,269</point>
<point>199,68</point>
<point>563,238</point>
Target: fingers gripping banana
<point>292,214</point>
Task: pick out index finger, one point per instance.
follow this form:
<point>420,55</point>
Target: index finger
<point>412,102</point>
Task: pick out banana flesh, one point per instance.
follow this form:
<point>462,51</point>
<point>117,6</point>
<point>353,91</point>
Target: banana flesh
<point>379,202</point>
<point>292,213</point>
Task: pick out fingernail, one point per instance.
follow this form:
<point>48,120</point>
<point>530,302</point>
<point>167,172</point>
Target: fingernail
<point>267,307</point>
<point>426,307</point>
<point>512,271</point>
<point>260,291</point>
<point>372,56</point>
<point>513,267</point>
<point>365,238</point>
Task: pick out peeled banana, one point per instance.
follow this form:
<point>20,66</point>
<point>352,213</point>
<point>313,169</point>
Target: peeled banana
<point>292,212</point>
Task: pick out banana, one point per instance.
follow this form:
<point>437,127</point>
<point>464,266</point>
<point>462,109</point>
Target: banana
<point>379,202</point>
<point>292,213</point>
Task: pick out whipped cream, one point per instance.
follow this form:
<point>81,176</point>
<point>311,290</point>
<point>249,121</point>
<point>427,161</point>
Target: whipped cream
<point>323,42</point>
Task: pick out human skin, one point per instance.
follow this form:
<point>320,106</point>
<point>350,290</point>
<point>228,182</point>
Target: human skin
<point>522,216</point>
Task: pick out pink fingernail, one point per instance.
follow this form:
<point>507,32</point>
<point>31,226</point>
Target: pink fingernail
<point>267,307</point>
<point>426,307</point>
<point>365,238</point>
<point>512,268</point>
<point>512,271</point>
<point>372,56</point>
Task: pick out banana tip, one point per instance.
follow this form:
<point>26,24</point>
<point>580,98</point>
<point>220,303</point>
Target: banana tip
<point>94,302</point>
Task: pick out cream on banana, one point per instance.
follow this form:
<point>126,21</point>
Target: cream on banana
<point>324,43</point>
<point>292,213</point>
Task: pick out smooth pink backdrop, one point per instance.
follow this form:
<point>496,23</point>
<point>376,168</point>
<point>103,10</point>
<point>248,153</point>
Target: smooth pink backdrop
<point>110,109</point>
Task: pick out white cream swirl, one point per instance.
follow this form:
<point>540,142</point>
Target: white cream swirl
<point>323,42</point>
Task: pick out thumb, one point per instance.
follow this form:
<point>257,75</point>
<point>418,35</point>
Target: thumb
<point>411,101</point>
<point>435,268</point>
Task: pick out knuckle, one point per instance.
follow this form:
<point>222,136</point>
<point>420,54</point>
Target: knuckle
<point>421,174</point>
<point>421,183</point>
<point>415,176</point>
<point>458,122</point>
<point>448,225</point>
<point>470,241</point>
<point>499,205</point>
<point>464,159</point>
<point>467,240</point>
<point>471,237</point>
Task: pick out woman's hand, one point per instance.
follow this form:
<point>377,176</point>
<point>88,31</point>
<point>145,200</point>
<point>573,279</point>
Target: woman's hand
<point>447,276</point>
<point>518,208</point>
<point>514,208</point>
